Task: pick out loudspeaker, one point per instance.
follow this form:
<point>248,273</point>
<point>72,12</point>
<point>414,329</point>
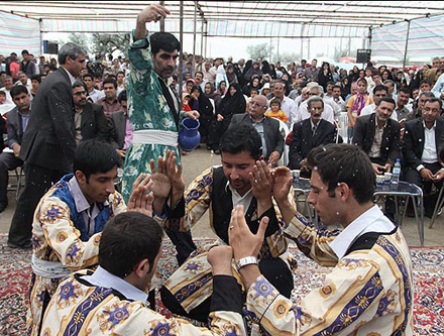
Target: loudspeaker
<point>50,47</point>
<point>363,55</point>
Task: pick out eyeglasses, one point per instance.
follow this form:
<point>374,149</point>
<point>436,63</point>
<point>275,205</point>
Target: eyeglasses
<point>80,93</point>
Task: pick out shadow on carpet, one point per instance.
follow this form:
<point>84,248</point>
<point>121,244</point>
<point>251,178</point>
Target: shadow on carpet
<point>15,272</point>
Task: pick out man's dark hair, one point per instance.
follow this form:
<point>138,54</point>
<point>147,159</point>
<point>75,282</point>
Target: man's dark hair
<point>242,138</point>
<point>380,88</point>
<point>428,100</point>
<point>426,81</point>
<point>120,72</point>
<point>343,163</point>
<point>122,96</point>
<point>165,41</point>
<point>330,83</point>
<point>95,156</point>
<point>79,84</point>
<point>336,87</point>
<point>2,93</point>
<point>126,240</point>
<point>389,100</point>
<point>110,80</point>
<point>18,89</point>
<point>97,75</point>
<point>37,78</point>
<point>25,52</point>
<point>406,91</point>
<point>87,75</point>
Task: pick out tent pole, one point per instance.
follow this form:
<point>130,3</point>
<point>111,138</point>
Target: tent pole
<point>179,80</point>
<point>194,38</point>
<point>162,21</point>
<point>406,44</point>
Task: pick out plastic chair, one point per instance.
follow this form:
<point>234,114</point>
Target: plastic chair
<point>19,174</point>
<point>283,128</point>
<point>343,126</point>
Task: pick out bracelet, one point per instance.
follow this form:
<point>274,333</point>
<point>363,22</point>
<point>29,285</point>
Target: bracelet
<point>245,262</point>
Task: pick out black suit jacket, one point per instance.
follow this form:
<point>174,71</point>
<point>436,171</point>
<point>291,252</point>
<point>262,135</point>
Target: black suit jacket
<point>364,133</point>
<point>94,124</point>
<point>414,138</point>
<point>274,139</point>
<point>15,127</point>
<point>118,125</point>
<point>49,139</point>
<point>303,140</point>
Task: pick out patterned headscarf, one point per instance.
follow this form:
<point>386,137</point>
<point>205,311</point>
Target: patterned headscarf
<point>359,102</point>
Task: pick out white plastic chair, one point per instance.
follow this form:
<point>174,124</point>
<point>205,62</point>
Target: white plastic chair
<point>283,128</point>
<point>343,126</point>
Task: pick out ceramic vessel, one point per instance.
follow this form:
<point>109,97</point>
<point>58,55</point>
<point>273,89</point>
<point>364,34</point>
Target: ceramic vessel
<point>189,136</point>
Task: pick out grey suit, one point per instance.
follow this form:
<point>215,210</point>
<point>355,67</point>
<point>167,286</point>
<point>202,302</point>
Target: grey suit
<point>47,149</point>
<point>273,138</point>
<point>118,121</point>
<point>8,161</point>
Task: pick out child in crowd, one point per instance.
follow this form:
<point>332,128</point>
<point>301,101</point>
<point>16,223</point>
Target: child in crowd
<point>275,111</point>
<point>185,99</point>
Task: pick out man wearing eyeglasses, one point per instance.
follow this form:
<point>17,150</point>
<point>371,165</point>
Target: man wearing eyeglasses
<point>308,134</point>
<point>70,217</point>
<point>268,128</point>
<point>422,142</point>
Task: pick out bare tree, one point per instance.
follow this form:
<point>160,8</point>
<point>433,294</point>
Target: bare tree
<point>102,44</point>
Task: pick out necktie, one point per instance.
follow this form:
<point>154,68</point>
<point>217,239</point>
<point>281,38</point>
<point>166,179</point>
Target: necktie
<point>314,129</point>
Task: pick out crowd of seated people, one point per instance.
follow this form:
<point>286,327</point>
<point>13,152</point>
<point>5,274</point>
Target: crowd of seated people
<point>392,114</point>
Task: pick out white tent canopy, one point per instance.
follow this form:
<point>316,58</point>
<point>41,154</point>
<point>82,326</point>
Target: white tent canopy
<point>366,20</point>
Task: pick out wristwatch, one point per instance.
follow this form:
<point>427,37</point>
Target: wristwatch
<point>245,262</point>
<point>140,44</point>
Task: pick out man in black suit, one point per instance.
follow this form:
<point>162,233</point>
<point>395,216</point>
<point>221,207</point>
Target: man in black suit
<point>89,119</point>
<point>122,133</point>
<point>422,142</point>
<point>49,143</point>
<point>378,136</point>
<point>268,128</point>
<point>310,133</point>
<point>17,122</point>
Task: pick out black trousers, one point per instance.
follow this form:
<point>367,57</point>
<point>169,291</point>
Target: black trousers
<point>7,162</point>
<point>413,176</point>
<point>274,269</point>
<point>38,182</point>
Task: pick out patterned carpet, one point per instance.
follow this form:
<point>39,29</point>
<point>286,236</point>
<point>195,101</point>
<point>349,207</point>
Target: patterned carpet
<point>428,276</point>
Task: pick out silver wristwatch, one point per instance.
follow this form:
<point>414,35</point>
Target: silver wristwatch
<point>245,262</point>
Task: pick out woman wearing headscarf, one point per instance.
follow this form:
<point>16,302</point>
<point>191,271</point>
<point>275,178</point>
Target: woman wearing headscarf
<point>231,75</point>
<point>255,82</point>
<point>356,103</point>
<point>200,102</point>
<point>233,103</point>
<point>325,75</point>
